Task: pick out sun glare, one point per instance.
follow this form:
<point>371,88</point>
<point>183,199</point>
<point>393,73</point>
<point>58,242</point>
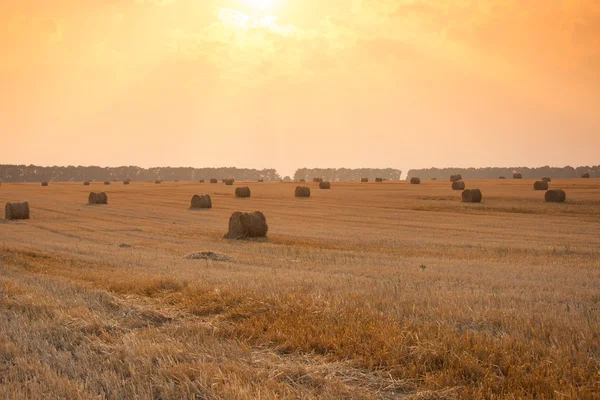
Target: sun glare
<point>261,4</point>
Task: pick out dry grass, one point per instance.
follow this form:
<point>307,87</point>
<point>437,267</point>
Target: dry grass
<point>368,291</point>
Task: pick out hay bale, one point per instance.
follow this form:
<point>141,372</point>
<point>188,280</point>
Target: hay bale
<point>98,198</point>
<point>540,185</point>
<point>378,180</point>
<point>302,180</point>
<point>176,181</point>
<point>107,182</point>
<point>86,183</point>
<point>317,180</point>
<point>455,178</point>
<point>471,196</point>
<point>415,181</point>
<point>126,182</point>
<point>201,181</point>
<point>247,225</point>
<point>517,175</point>
<point>16,211</point>
<point>547,179</point>
<point>158,181</point>
<point>302,191</point>
<point>44,183</point>
<point>458,185</point>
<point>214,180</point>
<point>229,182</point>
<point>555,196</point>
<point>585,175</point>
<point>261,180</point>
<point>201,201</point>
<point>242,191</point>
<point>501,177</point>
<point>324,185</point>
<point>434,179</point>
<point>364,180</point>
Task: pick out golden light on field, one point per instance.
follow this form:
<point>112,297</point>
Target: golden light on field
<point>260,4</point>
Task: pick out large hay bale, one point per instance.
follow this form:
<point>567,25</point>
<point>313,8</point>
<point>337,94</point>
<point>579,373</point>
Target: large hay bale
<point>455,178</point>
<point>201,201</point>
<point>317,180</point>
<point>44,183</point>
<point>242,191</point>
<point>158,181</point>
<point>16,211</point>
<point>378,180</point>
<point>126,182</point>
<point>547,179</point>
<point>471,196</point>
<point>415,181</point>
<point>555,196</point>
<point>302,191</point>
<point>324,185</point>
<point>229,182</point>
<point>261,180</point>
<point>214,180</point>
<point>501,177</point>
<point>517,175</point>
<point>585,175</point>
<point>86,183</point>
<point>364,180</point>
<point>107,182</point>
<point>540,185</point>
<point>201,181</point>
<point>98,198</point>
<point>458,185</point>
<point>247,225</point>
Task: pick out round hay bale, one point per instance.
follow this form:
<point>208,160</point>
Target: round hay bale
<point>261,180</point>
<point>126,182</point>
<point>434,179</point>
<point>317,180</point>
<point>324,185</point>
<point>302,180</point>
<point>302,191</point>
<point>415,181</point>
<point>107,182</point>
<point>555,196</point>
<point>455,178</point>
<point>229,182</point>
<point>44,183</point>
<point>201,181</point>
<point>98,198</point>
<point>214,180</point>
<point>502,177</point>
<point>158,181</point>
<point>585,175</point>
<point>364,180</point>
<point>540,185</point>
<point>547,179</point>
<point>201,201</point>
<point>517,175</point>
<point>16,211</point>
<point>247,225</point>
<point>378,180</point>
<point>86,183</point>
<point>242,191</point>
<point>471,196</point>
<point>458,185</point>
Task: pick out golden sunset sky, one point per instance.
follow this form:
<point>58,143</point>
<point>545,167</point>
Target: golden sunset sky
<point>295,83</point>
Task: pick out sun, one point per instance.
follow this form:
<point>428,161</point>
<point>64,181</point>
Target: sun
<point>261,4</point>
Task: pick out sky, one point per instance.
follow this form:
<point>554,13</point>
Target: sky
<point>300,83</point>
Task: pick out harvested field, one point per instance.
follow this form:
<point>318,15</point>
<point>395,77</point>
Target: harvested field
<point>366,291</point>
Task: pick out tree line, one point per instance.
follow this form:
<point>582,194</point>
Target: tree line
<point>496,172</point>
<point>34,173</point>
<point>346,174</point>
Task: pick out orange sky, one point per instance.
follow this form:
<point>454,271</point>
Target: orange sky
<point>294,83</point>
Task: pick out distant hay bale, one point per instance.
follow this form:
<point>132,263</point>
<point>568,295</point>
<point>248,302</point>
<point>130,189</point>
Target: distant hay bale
<point>302,191</point>
<point>16,211</point>
<point>517,175</point>
<point>201,201</point>
<point>455,178</point>
<point>98,198</point>
<point>302,180</point>
<point>86,183</point>
<point>242,191</point>
<point>107,182</point>
<point>555,196</point>
<point>540,185</point>
<point>158,181</point>
<point>223,180</point>
<point>364,180</point>
<point>471,196</point>
<point>176,180</point>
<point>378,180</point>
<point>585,175</point>
<point>317,180</point>
<point>458,185</point>
<point>247,225</point>
<point>44,183</point>
<point>501,177</point>
<point>229,182</point>
<point>126,182</point>
<point>201,181</point>
<point>214,180</point>
<point>261,180</point>
<point>415,181</point>
<point>324,185</point>
<point>434,179</point>
<point>547,179</point>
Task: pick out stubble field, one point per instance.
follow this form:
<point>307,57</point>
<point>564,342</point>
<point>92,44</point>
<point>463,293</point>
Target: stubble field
<point>377,290</point>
